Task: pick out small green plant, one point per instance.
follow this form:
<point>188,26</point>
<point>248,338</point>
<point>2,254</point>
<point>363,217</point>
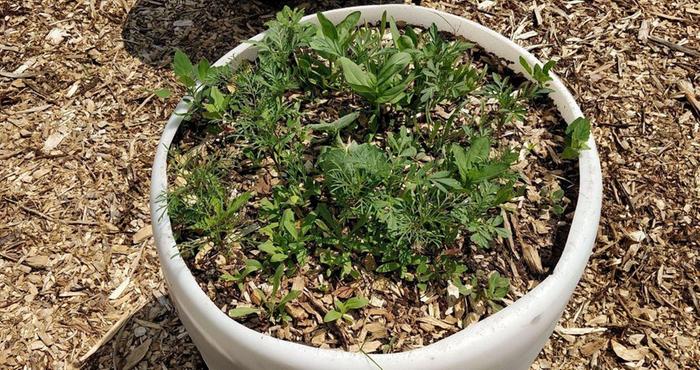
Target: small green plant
<point>332,41</point>
<point>342,308</point>
<point>239,277</point>
<point>577,134</point>
<point>200,206</point>
<point>541,76</point>
<point>496,290</point>
<point>382,85</point>
<point>271,305</point>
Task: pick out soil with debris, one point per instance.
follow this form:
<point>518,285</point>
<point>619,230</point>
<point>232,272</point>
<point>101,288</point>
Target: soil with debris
<point>79,124</point>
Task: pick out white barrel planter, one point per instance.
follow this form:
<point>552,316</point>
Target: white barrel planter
<point>507,340</point>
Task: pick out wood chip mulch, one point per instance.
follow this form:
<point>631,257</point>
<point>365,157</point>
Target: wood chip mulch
<point>79,276</point>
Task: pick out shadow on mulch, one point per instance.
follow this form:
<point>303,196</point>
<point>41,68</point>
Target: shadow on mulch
<point>204,28</point>
<point>153,338</point>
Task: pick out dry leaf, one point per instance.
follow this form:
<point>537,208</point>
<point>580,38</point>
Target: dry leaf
<point>137,354</point>
<point>628,354</point>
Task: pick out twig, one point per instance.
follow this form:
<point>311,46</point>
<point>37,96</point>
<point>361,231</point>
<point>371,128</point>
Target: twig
<point>49,218</point>
<point>687,89</point>
<point>532,257</point>
<point>673,46</point>
<point>113,330</point>
<point>16,75</point>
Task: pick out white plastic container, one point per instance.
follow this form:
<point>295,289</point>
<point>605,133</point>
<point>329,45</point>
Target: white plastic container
<point>508,340</point>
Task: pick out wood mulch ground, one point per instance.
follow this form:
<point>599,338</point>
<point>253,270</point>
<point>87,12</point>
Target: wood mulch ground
<point>79,276</point>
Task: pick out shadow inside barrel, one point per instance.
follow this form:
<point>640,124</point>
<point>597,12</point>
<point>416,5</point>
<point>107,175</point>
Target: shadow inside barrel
<point>208,29</point>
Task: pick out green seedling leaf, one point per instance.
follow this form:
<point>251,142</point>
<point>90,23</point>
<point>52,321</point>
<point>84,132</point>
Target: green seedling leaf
<point>355,303</point>
<point>387,267</point>
<point>289,224</point>
<point>393,65</point>
<point>292,295</point>
<point>337,125</point>
<point>182,66</point>
<point>577,135</point>
<point>525,65</point>
<point>327,27</point>
<point>395,34</point>
<point>268,247</point>
<point>497,286</point>
<point>349,22</point>
<point>331,316</point>
<point>242,311</point>
<point>355,76</point>
<point>163,93</point>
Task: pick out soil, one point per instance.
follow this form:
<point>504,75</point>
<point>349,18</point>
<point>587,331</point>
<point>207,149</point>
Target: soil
<point>400,317</point>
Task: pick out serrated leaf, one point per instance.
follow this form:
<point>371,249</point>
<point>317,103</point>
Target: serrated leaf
<point>182,66</point>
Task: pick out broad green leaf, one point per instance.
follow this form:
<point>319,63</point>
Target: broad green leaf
<point>336,125</point>
<point>203,68</point>
<point>289,224</point>
<point>278,257</point>
<point>325,47</point>
<point>478,150</point>
<point>387,267</point>
<point>405,43</point>
<point>182,65</point>
<point>497,286</point>
<point>548,67</point>
<point>355,303</point>
<point>268,247</point>
<point>242,311</point>
<point>393,65</point>
<point>354,75</point>
<point>350,21</point>
<point>577,135</point>
<point>251,263</point>
<point>331,316</point>
<point>292,295</point>
<point>163,93</point>
<point>228,277</point>
<point>327,27</point>
<point>454,184</point>
<point>218,97</point>
<point>239,202</point>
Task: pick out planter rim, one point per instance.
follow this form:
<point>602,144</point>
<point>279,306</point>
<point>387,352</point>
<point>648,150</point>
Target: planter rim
<point>527,310</point>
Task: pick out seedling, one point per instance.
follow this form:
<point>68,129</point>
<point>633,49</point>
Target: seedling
<point>577,134</point>
<point>342,308</point>
<point>496,289</point>
<point>272,306</point>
